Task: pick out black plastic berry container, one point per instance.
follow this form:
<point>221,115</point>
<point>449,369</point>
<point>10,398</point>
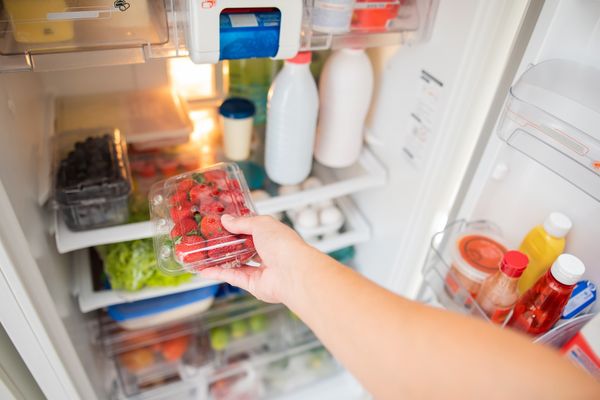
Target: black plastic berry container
<point>92,181</point>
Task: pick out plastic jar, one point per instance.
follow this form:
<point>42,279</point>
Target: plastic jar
<point>475,256</point>
<point>237,115</point>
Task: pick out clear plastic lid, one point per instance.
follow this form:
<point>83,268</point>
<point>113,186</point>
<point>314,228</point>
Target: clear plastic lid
<point>477,255</point>
<point>186,213</point>
<point>91,167</point>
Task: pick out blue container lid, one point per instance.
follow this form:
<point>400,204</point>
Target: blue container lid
<point>157,305</point>
<point>237,108</point>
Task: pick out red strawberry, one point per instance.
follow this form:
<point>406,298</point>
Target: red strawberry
<point>245,211</point>
<point>178,198</point>
<point>200,193</point>
<point>232,197</point>
<point>211,208</point>
<point>220,248</point>
<point>181,211</point>
<point>215,175</point>
<point>191,249</point>
<point>210,226</point>
<point>185,185</point>
<point>234,185</point>
<point>183,227</point>
<point>248,241</point>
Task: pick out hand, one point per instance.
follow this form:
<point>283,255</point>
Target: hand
<point>280,249</point>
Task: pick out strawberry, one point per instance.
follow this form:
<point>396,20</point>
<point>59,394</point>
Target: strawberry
<point>178,198</point>
<point>210,226</point>
<point>200,193</point>
<point>213,207</point>
<point>232,197</point>
<point>183,227</point>
<point>222,247</point>
<point>185,185</point>
<point>181,211</point>
<point>190,249</point>
<point>234,184</point>
<point>244,211</point>
<point>215,175</point>
<point>248,241</point>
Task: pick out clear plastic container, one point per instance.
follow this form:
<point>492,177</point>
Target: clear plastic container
<point>92,179</point>
<point>59,25</point>
<point>186,214</point>
<point>148,358</point>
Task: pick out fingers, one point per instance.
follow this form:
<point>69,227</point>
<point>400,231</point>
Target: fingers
<point>239,277</point>
<point>244,225</point>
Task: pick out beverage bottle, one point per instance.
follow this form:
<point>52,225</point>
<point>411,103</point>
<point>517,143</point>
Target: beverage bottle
<point>499,293</point>
<point>292,109</point>
<point>541,306</point>
<point>543,244</point>
<point>345,92</point>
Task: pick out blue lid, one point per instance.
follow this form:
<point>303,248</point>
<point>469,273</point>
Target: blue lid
<point>157,305</point>
<point>237,108</point>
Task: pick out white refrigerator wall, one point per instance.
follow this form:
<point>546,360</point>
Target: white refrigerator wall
<point>468,53</point>
<point>528,192</point>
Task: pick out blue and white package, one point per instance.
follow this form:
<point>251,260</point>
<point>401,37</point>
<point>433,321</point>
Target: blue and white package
<point>581,300</point>
<point>160,310</point>
<point>249,35</point>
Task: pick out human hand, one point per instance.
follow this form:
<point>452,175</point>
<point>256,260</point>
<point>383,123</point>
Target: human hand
<point>280,249</point>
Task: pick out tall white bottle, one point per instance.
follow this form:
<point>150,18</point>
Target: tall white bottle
<point>345,89</point>
<point>292,109</point>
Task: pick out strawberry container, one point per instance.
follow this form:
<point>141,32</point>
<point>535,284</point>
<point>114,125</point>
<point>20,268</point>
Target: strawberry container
<point>92,181</point>
<point>186,213</point>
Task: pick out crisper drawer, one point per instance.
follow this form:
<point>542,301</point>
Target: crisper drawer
<point>239,346</point>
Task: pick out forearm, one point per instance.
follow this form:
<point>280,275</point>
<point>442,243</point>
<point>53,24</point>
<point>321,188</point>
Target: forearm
<point>395,346</point>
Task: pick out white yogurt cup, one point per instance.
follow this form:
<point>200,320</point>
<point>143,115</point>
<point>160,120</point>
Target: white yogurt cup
<point>237,115</point>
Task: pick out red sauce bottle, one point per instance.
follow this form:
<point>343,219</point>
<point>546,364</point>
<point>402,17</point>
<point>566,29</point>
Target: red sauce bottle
<point>541,306</point>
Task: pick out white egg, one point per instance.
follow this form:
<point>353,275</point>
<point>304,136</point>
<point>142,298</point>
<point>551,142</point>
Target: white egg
<point>288,189</point>
<point>331,216</point>
<point>311,183</point>
<point>307,219</point>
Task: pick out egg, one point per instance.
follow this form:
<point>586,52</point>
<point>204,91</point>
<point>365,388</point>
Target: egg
<point>311,183</point>
<point>331,216</point>
<point>308,218</point>
<point>288,189</point>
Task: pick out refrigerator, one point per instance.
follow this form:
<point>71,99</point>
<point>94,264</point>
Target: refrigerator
<point>454,137</point>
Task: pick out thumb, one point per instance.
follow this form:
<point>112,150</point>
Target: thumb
<point>237,224</point>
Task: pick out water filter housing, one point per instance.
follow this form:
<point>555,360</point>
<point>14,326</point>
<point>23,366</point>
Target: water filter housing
<point>204,28</point>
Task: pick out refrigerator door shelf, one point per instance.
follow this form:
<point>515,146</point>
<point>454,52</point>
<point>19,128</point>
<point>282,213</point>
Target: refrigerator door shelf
<point>552,116</point>
<point>367,173</point>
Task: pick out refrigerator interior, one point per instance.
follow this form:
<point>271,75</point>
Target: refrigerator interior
<point>463,65</point>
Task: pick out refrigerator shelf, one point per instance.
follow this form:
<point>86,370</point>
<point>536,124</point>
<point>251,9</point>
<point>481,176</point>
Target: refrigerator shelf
<point>90,299</point>
<point>367,173</point>
<point>61,35</point>
<point>435,290</point>
<point>552,115</point>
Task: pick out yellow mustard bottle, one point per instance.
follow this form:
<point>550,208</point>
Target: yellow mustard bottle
<point>543,244</point>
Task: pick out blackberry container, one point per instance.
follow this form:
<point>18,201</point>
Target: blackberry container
<point>92,181</point>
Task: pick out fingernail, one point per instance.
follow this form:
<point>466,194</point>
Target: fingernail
<point>226,218</point>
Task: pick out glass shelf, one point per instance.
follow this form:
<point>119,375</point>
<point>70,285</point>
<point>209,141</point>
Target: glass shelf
<point>552,115</point>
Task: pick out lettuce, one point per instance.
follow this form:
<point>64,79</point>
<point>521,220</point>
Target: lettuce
<point>132,266</point>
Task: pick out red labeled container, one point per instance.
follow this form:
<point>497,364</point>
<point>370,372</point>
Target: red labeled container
<point>374,15</point>
<point>475,256</point>
<point>186,213</point>
<point>541,306</point>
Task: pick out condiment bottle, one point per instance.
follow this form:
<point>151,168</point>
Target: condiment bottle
<point>499,292</point>
<point>543,244</point>
<point>541,306</point>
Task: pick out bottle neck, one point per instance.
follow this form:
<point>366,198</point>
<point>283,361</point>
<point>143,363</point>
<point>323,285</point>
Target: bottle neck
<point>551,282</point>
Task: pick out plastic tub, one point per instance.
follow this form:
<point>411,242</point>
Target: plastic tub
<point>92,179</point>
<point>237,115</point>
<point>162,310</point>
<point>475,256</point>
<point>186,214</point>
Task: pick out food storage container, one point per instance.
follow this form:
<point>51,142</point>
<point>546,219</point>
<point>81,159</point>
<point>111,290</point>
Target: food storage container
<point>475,256</point>
<point>92,180</point>
<point>161,310</point>
<point>186,213</point>
<point>147,359</point>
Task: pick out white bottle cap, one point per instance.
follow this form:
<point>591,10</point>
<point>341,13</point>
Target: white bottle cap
<point>557,225</point>
<point>567,269</point>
